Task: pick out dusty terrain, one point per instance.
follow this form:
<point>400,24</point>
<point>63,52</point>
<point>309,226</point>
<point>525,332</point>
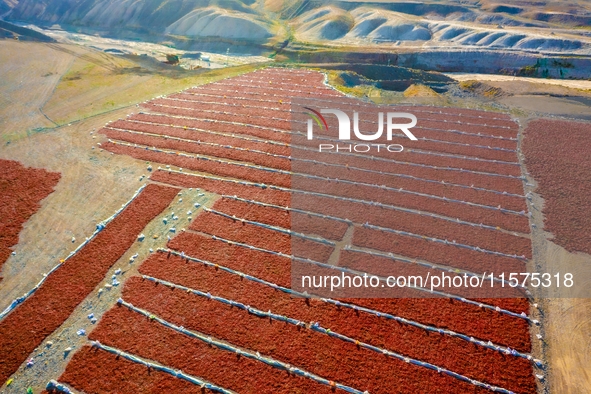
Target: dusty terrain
<point>567,331</point>
<point>50,111</point>
<point>93,184</point>
<point>21,110</point>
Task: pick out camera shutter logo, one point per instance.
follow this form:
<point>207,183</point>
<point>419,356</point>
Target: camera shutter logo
<point>345,124</point>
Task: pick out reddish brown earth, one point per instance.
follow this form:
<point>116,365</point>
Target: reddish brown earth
<point>450,314</point>
<point>441,173</point>
<point>434,160</point>
<point>471,213</point>
<point>42,313</point>
<point>431,126</point>
<point>557,156</point>
<point>208,124</point>
<point>21,191</point>
<point>279,113</point>
<point>419,224</point>
<point>202,165</point>
<point>386,266</point>
<point>495,183</point>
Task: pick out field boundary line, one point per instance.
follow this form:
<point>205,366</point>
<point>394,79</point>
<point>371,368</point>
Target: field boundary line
<point>60,387</point>
<point>316,177</point>
<point>314,326</point>
<point>382,279</point>
<point>99,227</point>
<point>361,121</point>
<point>278,229</point>
<point>364,202</point>
<point>370,226</point>
<point>359,104</point>
<point>351,104</point>
<point>227,346</point>
<point>221,83</point>
<point>379,253</point>
<point>160,367</point>
<point>426,264</point>
<point>342,269</point>
<point>442,331</point>
<point>187,117</point>
<point>290,158</point>
<point>444,241</point>
<point>150,106</point>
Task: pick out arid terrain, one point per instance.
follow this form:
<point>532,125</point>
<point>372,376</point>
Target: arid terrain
<point>174,194</point>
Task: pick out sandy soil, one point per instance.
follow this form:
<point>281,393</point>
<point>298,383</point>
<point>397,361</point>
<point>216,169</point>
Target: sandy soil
<point>569,350</point>
<point>575,84</point>
<point>546,105</point>
<point>36,69</point>
<point>568,329</point>
<point>94,183</point>
<point>538,96</point>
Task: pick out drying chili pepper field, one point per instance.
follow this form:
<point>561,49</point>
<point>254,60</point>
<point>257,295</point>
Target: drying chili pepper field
<point>197,284</point>
<point>21,191</point>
